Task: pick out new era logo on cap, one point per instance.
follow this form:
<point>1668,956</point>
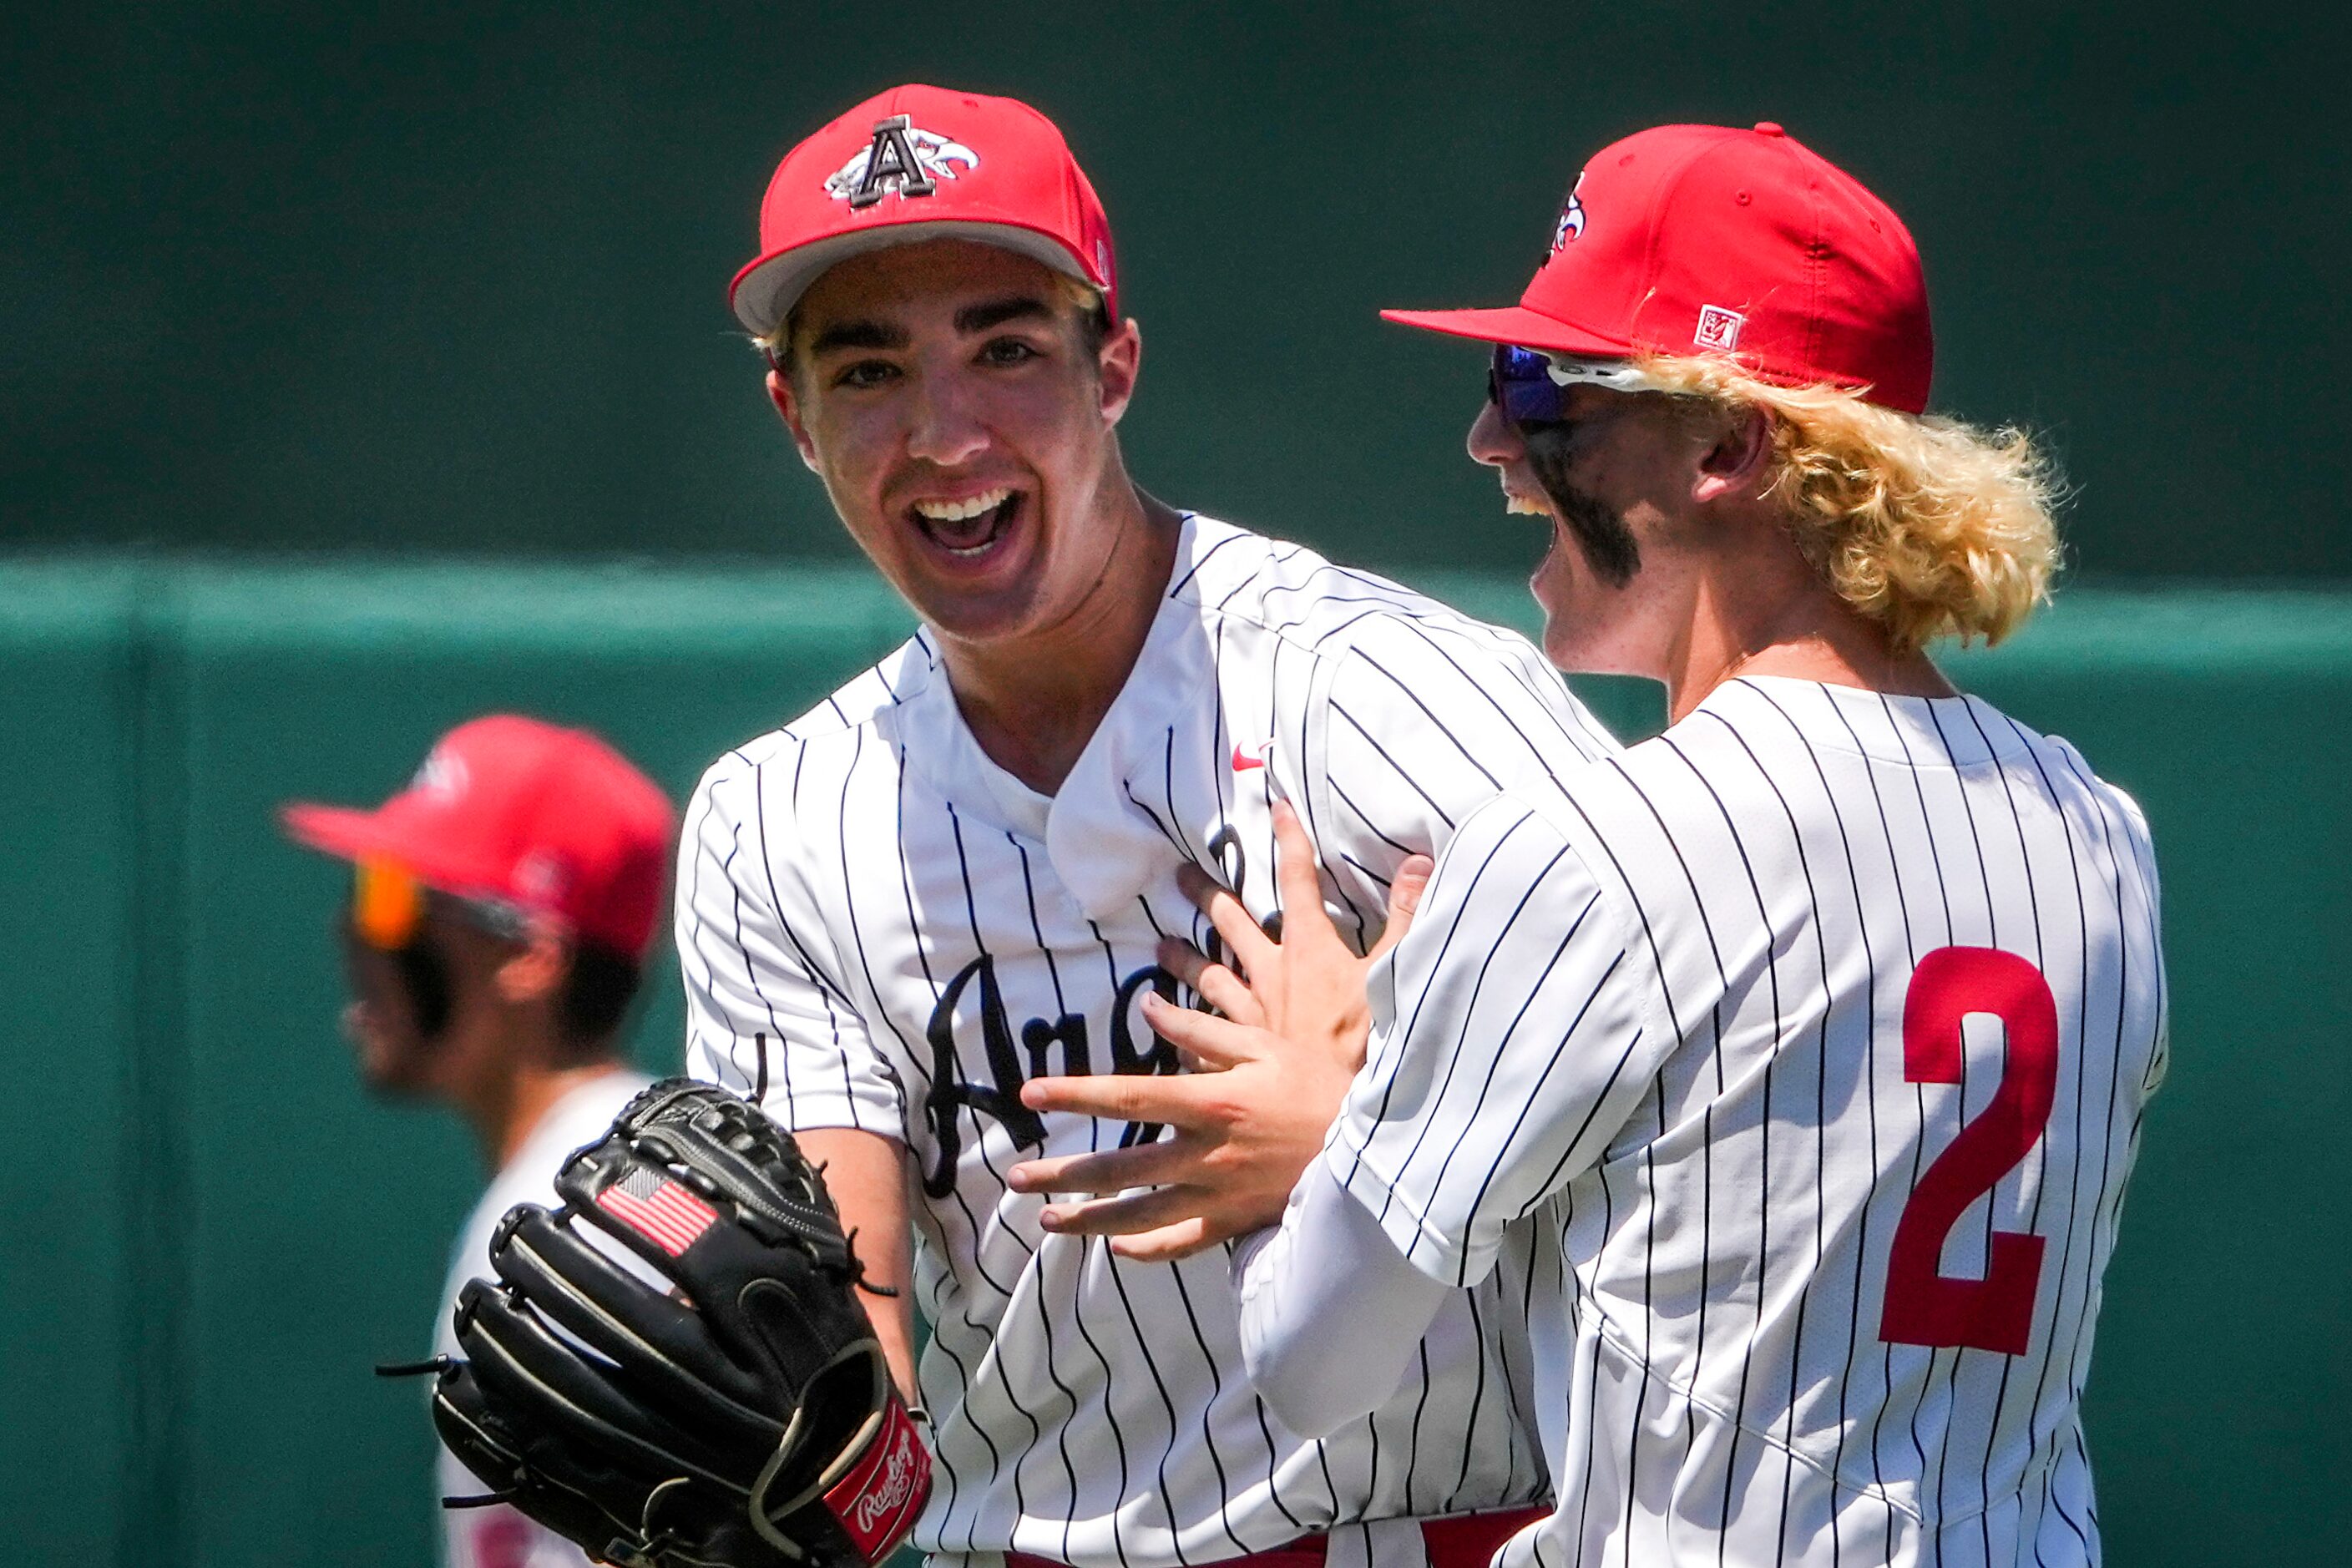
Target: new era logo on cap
<point>1719,328</point>
<point>901,159</point>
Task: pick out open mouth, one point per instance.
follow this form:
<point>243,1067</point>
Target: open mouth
<point>1517,503</point>
<point>968,528</point>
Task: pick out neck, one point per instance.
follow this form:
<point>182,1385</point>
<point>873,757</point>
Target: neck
<point>504,1118</point>
<point>1776,616</point>
<point>1033,702</point>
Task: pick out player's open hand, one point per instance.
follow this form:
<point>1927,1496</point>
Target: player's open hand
<point>1273,1071</point>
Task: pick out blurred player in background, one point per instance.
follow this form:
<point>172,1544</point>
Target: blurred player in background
<point>502,907</point>
<point>954,874</point>
<point>1816,1031</point>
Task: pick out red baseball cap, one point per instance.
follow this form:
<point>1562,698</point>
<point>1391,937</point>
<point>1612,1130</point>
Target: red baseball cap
<point>1693,240</point>
<point>916,163</point>
<point>552,820</point>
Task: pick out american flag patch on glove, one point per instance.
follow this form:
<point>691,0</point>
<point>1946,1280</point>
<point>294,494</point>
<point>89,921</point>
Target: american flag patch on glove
<point>657,1208</point>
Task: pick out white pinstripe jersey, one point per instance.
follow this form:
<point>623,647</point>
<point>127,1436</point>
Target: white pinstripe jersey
<point>1818,1031</point>
<point>889,932</point>
<point>498,1536</point>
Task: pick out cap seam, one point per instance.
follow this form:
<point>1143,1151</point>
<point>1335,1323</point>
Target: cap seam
<point>1660,197</point>
<point>1816,264</point>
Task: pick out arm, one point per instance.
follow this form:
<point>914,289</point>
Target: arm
<point>1416,728</point>
<point>1417,725</point>
<point>866,1175</point>
<point>1507,1024</point>
<point>1331,1312</point>
<point>768,1015</point>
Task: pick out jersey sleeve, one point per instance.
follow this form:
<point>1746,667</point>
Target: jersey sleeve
<point>767,1011</point>
<point>1421,721</point>
<point>1510,1043</point>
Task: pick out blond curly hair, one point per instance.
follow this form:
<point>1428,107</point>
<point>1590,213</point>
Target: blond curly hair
<point>1927,526</point>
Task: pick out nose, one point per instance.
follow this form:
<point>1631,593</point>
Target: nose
<point>1495,440</point>
<point>945,430</point>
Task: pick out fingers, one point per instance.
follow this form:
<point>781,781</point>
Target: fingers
<point>1132,1215</point>
<point>1294,873</point>
<point>1404,900</point>
<point>1215,1042</point>
<point>1169,1242</point>
<point>1251,947</point>
<point>1122,1097</point>
<point>1218,985</point>
<point>1108,1172</point>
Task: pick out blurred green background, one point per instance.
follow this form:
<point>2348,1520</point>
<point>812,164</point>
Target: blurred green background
<point>451,276</point>
<point>364,368</point>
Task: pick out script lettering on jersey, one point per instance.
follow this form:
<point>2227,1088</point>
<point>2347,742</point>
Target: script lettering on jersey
<point>951,1094</point>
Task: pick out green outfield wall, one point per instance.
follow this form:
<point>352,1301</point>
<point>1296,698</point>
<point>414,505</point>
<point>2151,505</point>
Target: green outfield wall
<point>211,1233</point>
<point>424,275</point>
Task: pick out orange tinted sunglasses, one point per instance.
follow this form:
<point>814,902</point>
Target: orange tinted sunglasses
<point>387,904</point>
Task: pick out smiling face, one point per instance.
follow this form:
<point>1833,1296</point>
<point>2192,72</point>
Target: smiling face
<point>952,399</point>
<point>1615,482</point>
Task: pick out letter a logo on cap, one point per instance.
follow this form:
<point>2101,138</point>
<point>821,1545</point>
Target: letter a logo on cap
<point>1572,216</point>
<point>902,158</point>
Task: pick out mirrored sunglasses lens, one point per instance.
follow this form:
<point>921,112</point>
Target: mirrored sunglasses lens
<point>1515,363</point>
<point>1517,380</point>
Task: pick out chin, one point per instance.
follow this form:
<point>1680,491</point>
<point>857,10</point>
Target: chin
<point>395,1074</point>
<point>996,614</point>
<point>1576,629</point>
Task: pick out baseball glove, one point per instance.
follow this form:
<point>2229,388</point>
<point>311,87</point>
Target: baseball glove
<point>741,1413</point>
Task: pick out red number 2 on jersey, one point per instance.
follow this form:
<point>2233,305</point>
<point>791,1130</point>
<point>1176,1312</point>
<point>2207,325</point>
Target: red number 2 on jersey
<point>1924,1306</point>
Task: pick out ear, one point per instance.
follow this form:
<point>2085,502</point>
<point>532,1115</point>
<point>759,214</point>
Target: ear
<point>1740,460</point>
<point>787,402</point>
<point>1121,359</point>
<point>537,972</point>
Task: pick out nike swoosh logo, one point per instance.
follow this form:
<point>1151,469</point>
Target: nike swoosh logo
<point>1254,757</point>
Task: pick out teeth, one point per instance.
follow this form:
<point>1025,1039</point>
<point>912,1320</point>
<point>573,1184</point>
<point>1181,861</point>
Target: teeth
<point>1521,506</point>
<point>956,510</point>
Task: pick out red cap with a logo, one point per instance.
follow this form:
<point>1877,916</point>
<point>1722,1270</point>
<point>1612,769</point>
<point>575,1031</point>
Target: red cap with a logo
<point>916,163</point>
<point>552,820</point>
<point>1694,239</point>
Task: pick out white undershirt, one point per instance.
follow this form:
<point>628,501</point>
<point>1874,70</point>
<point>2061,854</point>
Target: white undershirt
<point>1331,1312</point>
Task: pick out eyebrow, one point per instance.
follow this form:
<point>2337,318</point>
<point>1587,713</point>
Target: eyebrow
<point>972,319</point>
<point>858,335</point>
<point>996,313</point>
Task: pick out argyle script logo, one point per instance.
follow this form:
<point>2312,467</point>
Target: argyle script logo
<point>900,158</point>
<point>1571,218</point>
<point>1040,1039</point>
<point>1719,328</point>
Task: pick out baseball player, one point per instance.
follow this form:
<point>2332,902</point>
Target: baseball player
<point>502,910</point>
<point>954,874</point>
<point>1816,1031</point>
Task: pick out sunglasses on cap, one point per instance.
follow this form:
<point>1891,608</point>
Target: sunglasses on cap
<point>388,905</point>
<point>1531,387</point>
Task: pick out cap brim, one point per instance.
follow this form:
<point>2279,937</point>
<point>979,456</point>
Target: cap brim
<point>334,829</point>
<point>1513,324</point>
<point>764,292</point>
<point>351,835</point>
